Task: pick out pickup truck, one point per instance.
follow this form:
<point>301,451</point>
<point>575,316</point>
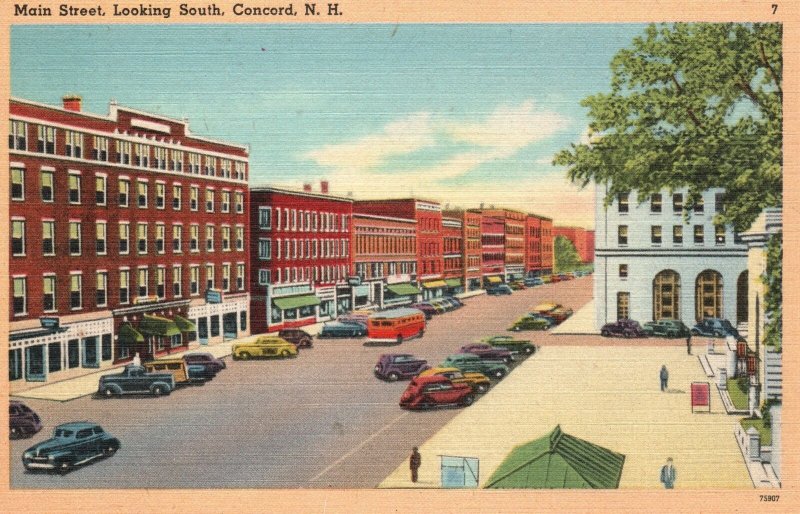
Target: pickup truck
<point>135,380</point>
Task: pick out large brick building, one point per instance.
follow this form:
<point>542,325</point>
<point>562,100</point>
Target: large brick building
<point>492,248</point>
<point>301,258</point>
<point>538,245</point>
<point>453,245</point>
<point>128,235</point>
<point>513,240</point>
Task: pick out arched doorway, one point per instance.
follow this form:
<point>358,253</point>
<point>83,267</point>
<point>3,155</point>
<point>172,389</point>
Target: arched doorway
<point>666,295</point>
<point>741,297</point>
<point>708,295</point>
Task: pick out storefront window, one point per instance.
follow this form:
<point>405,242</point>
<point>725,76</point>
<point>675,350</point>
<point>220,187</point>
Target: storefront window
<point>276,315</point>
<point>325,308</point>
<point>73,354</point>
<point>243,321</point>
<point>106,347</point>
<point>54,357</point>
<point>306,311</point>
<point>214,326</point>
<point>15,364</point>
<point>290,314</point>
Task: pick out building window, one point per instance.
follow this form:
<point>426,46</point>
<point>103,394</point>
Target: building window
<point>225,168</point>
<point>161,274</point>
<point>124,286</point>
<point>100,148</point>
<point>719,202</point>
<point>75,296</point>
<point>240,238</point>
<point>698,207</point>
<point>74,144</point>
<point>194,280</point>
<point>74,238</point>
<point>141,238</point>
<point>177,191</point>
<point>226,277</point>
<point>47,139</point>
<point>622,235</point>
<point>176,162</point>
<point>194,163</point>
<point>101,296</point>
<point>623,271</point>
<point>655,234</point>
<point>719,234</point>
<point>20,296</point>
<point>49,293</point>
<point>265,217</point>
<point>161,235</point>
<point>176,238</point>
<point>622,202</point>
<point>226,239</point>
<point>194,195</point>
<point>161,195</point>
<point>160,158</point>
<point>623,305</point>
<point>48,237</point>
<point>100,189</point>
<point>194,238</point>
<point>655,203</point>
<point>142,156</point>
<point>226,201</point>
<point>17,184</point>
<point>240,276</point>
<point>142,282</point>
<point>124,237</point>
<point>17,135</point>
<point>209,238</point>
<point>698,234</point>
<point>101,231</point>
<point>708,295</point>
<point>265,249</point>
<point>18,237</point>
<point>124,192</point>
<point>74,182</point>
<point>677,234</point>
<point>141,194</point>
<point>209,276</point>
<point>211,166</point>
<point>123,152</point>
<point>47,186</point>
<point>239,202</point>
<point>209,200</point>
<point>239,170</point>
<point>176,281</point>
<point>666,295</point>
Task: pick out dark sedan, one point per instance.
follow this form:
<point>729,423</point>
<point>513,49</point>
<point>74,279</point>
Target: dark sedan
<point>623,328</point>
<point>488,352</point>
<point>666,328</point>
<point>209,361</point>
<point>715,327</point>
<point>499,290</point>
<point>343,329</point>
<point>72,445</point>
<point>22,421</point>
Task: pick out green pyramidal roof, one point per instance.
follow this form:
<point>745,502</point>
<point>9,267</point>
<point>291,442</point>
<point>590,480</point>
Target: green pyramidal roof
<point>559,461</point>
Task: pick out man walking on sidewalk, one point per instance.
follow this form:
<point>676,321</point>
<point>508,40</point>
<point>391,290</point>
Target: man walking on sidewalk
<point>415,461</point>
<point>689,343</point>
<point>668,474</point>
<point>664,375</point>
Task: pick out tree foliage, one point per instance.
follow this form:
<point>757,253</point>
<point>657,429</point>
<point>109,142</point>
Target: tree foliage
<point>565,255</point>
<point>773,298</point>
<point>691,105</point>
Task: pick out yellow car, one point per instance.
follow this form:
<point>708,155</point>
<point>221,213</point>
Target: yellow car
<point>546,279</point>
<point>265,346</point>
<point>545,307</point>
<point>477,381</point>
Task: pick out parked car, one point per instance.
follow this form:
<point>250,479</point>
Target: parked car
<point>529,322</point>
<point>544,317</point>
<point>299,338</point>
<point>264,346</point>
<point>23,422</point>
<point>498,290</point>
<point>715,327</point>
<point>72,445</point>
<point>546,278</point>
<point>427,309</point>
<point>207,359</point>
<point>135,380</point>
<point>394,366</point>
<point>509,343</point>
<point>488,352</point>
<point>471,362</point>
<point>455,300</point>
<point>623,328</point>
<point>433,391</point>
<point>452,302</point>
<point>444,303</point>
<point>355,317</point>
<point>342,329</point>
<point>438,307</point>
<point>516,286</point>
<point>533,281</point>
<point>555,278</point>
<point>556,311</point>
<point>477,381</point>
<point>666,328</point>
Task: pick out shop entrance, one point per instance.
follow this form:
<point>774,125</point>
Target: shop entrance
<point>202,330</point>
<point>229,326</point>
<point>35,364</point>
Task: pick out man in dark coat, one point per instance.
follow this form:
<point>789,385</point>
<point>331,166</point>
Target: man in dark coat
<point>689,344</point>
<point>668,474</point>
<point>415,462</point>
<point>664,375</point>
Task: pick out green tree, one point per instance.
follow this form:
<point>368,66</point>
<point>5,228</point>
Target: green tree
<point>565,255</point>
<point>773,298</point>
<point>691,105</point>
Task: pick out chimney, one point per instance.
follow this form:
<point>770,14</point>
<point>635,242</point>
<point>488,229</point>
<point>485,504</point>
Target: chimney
<point>323,187</point>
<point>72,102</point>
<point>307,187</point>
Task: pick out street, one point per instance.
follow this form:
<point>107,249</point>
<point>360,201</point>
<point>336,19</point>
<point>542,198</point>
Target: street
<point>320,420</point>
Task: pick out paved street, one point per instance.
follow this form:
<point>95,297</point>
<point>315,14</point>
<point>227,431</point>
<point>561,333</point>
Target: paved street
<point>320,420</point>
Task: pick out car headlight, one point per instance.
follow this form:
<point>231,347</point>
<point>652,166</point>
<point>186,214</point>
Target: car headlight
<point>27,455</point>
<point>50,457</point>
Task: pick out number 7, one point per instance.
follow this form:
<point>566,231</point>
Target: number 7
<point>774,8</point>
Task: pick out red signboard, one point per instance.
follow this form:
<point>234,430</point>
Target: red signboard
<point>701,395</point>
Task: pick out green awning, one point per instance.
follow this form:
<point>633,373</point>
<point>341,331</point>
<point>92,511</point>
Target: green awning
<point>184,325</point>
<point>402,289</point>
<point>294,302</point>
<point>559,461</point>
<point>433,284</point>
<point>158,326</point>
<point>453,282</point>
<point>129,335</point>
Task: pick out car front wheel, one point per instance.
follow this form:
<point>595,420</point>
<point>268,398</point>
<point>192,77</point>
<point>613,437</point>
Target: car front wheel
<point>392,377</point>
<point>64,468</point>
<point>528,350</point>
<point>481,388</point>
<point>157,390</point>
<point>16,433</point>
<point>499,373</point>
<point>285,353</point>
<point>468,400</point>
<point>244,356</point>
<point>109,450</point>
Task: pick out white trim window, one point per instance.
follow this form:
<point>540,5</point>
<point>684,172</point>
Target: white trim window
<point>47,139</point>
<point>240,238</point>
<point>74,144</point>
<point>49,292</point>
<point>177,193</point>
<point>141,238</point>
<point>209,200</point>
<point>211,166</point>
<point>176,160</point>
<point>226,277</point>
<point>18,237</point>
<point>210,282</point>
<point>75,238</point>
<point>124,286</point>
<point>100,148</point>
<point>74,187</point>
<point>47,185</point>
<point>265,249</point>
<point>194,237</point>
<point>124,237</point>
<point>142,282</point>
<point>100,189</point>
<point>48,237</point>
<point>17,183</point>
<point>141,194</point>
<point>101,289</point>
<point>142,156</point>
<point>265,217</point>
<point>226,202</point>
<point>177,272</point>
<point>17,135</point>
<point>194,197</point>
<point>240,276</point>
<point>225,167</point>
<point>124,192</point>
<point>161,235</point>
<point>123,151</point>
<point>177,236</point>
<point>264,276</point>
<point>194,280</point>
<point>101,230</point>
<point>76,291</point>
<point>239,198</point>
<point>161,195</point>
<point>194,164</point>
<point>226,238</point>
<point>20,296</point>
<point>159,158</point>
<point>209,238</point>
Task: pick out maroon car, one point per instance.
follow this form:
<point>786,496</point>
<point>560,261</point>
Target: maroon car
<point>428,309</point>
<point>434,391</point>
<point>300,338</point>
<point>22,421</point>
<point>623,328</point>
<point>211,363</point>
<point>488,352</point>
<point>394,366</point>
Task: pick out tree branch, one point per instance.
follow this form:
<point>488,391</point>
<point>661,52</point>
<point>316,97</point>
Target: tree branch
<point>769,67</point>
<point>689,110</point>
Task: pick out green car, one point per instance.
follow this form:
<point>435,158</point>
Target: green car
<point>468,362</point>
<point>511,344</point>
<point>666,328</point>
<point>529,323</point>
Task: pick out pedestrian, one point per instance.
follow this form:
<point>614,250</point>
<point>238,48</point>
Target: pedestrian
<point>415,461</point>
<point>137,361</point>
<point>668,474</point>
<point>689,343</point>
<point>664,375</point>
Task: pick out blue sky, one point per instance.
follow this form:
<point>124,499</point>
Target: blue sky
<point>463,114</point>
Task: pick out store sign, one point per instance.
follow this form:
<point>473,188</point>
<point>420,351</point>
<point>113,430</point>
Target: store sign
<point>213,296</point>
<point>701,395</point>
<point>354,281</point>
<point>50,322</point>
<point>289,290</point>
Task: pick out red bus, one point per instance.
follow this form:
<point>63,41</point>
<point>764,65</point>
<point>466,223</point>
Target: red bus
<point>395,325</point>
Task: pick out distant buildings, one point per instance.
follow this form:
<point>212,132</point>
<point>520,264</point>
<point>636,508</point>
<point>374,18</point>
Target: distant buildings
<point>582,239</point>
